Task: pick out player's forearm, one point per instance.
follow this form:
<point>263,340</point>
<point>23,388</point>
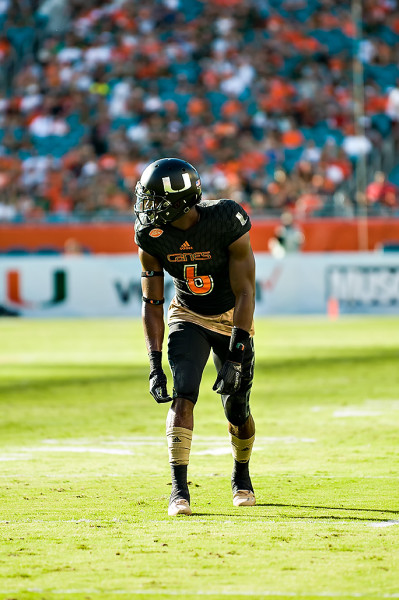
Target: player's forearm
<point>242,281</point>
<point>154,327</point>
<point>244,309</point>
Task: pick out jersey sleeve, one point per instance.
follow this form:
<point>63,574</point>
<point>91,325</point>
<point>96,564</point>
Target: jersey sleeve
<point>237,222</point>
<point>138,236</point>
<point>142,240</point>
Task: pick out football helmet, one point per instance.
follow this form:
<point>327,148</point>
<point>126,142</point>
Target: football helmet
<point>168,188</point>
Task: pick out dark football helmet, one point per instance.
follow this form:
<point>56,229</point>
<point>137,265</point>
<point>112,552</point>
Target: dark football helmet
<point>167,189</point>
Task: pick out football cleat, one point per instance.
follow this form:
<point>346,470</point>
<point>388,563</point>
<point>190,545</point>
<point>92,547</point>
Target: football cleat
<point>180,506</point>
<point>244,498</point>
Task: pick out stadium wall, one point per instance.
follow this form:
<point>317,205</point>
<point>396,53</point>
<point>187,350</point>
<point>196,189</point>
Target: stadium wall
<point>92,286</point>
<point>321,235</point>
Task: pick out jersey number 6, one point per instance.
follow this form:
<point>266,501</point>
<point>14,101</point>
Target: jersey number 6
<point>197,284</point>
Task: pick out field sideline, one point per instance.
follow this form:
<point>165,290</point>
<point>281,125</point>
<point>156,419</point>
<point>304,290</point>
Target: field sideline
<point>85,481</point>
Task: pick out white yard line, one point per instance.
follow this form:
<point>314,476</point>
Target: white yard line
<point>212,451</point>
<point>356,412</point>
<point>373,407</point>
<point>161,441</point>
<point>11,457</point>
<point>383,523</point>
<point>124,446</point>
<point>383,401</point>
<point>83,359</point>
<point>82,450</point>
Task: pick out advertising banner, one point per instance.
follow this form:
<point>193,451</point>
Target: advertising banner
<point>93,286</point>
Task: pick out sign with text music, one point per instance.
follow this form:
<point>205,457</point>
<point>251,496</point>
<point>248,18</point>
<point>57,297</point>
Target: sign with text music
<point>365,285</point>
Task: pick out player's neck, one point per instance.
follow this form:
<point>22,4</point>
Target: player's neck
<point>188,220</point>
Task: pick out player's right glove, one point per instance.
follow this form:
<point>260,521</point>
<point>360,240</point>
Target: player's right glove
<point>229,377</point>
<point>158,379</point>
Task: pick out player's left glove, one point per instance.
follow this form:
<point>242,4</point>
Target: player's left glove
<point>229,377</point>
<point>158,379</point>
<point>228,380</point>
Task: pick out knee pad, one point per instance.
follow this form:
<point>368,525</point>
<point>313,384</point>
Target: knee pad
<point>236,408</point>
<point>186,381</point>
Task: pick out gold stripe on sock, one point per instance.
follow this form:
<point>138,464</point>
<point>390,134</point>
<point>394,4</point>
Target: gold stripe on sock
<point>179,445</point>
<point>241,449</point>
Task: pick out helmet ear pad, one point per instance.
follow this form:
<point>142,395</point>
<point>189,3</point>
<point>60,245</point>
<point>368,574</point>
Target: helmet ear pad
<point>168,189</point>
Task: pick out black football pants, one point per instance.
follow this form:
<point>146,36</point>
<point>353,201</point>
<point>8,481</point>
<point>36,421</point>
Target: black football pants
<point>189,346</point>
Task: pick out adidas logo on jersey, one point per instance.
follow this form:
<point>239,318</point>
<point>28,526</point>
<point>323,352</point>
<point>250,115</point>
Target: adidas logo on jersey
<point>186,246</point>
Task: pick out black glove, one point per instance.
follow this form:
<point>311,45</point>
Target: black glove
<point>229,377</point>
<point>228,380</point>
<point>158,379</point>
<point>158,386</point>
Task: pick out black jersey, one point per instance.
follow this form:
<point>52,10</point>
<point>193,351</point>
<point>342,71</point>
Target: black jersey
<point>198,258</point>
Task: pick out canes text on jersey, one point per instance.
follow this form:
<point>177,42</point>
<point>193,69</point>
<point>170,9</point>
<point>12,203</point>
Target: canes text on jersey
<point>189,256</point>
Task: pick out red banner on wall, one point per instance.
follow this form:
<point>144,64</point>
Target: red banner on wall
<point>321,235</point>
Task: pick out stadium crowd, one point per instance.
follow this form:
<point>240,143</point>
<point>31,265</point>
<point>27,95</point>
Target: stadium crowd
<point>257,94</point>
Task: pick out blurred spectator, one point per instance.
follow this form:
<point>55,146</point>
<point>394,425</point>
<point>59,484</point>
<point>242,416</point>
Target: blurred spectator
<point>288,237</point>
<point>381,192</point>
<point>356,145</point>
<point>392,106</point>
<point>73,247</point>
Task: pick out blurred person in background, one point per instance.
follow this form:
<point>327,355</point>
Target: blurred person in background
<point>287,238</point>
<point>73,247</point>
<point>382,193</point>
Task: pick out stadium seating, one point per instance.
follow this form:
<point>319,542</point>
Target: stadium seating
<point>253,72</point>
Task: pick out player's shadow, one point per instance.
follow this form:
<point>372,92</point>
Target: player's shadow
<point>345,508</point>
<point>248,512</point>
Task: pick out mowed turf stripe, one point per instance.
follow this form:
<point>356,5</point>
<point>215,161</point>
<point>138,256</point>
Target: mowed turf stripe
<point>197,519</point>
<point>207,593</point>
<point>96,475</point>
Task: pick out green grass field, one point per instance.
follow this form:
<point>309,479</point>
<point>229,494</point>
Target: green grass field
<point>85,479</point>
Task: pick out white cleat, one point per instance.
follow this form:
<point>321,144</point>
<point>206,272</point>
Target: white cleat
<point>244,498</point>
<point>179,507</point>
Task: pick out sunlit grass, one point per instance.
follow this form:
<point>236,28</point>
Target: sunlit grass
<point>85,480</point>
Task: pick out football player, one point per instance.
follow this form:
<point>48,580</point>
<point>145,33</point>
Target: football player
<point>205,247</point>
